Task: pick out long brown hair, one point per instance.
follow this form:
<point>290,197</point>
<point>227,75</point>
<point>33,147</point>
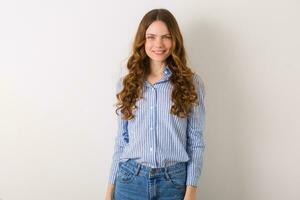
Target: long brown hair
<point>184,92</point>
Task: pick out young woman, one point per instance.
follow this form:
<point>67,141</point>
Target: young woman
<point>159,145</point>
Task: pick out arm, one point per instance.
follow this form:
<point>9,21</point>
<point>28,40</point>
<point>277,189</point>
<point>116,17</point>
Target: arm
<point>120,141</point>
<point>195,142</point>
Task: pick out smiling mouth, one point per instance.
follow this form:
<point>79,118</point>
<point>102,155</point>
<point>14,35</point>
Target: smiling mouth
<point>159,52</point>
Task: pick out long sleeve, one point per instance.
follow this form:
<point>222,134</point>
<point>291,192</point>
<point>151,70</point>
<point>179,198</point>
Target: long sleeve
<point>120,141</point>
<point>195,142</point>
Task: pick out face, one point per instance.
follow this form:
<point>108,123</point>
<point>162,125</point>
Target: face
<point>158,41</point>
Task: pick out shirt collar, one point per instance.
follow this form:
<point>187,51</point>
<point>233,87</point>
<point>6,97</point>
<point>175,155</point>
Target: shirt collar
<point>166,75</point>
<point>167,72</point>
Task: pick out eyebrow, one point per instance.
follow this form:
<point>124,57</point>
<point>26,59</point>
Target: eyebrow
<point>155,34</point>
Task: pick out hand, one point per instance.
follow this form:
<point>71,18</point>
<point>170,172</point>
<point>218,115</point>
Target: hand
<point>109,192</point>
<point>190,197</point>
<point>108,197</point>
<point>190,193</point>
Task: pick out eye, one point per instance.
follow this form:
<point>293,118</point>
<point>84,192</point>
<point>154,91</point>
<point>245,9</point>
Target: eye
<point>168,37</point>
<point>150,37</point>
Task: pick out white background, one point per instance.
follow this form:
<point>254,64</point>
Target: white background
<point>59,63</point>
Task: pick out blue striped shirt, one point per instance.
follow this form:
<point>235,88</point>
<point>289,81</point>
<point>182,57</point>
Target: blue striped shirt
<point>157,138</point>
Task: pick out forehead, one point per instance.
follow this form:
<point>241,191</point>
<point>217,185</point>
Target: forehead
<point>157,28</point>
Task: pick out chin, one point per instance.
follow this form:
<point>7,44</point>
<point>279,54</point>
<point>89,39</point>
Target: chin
<point>158,58</point>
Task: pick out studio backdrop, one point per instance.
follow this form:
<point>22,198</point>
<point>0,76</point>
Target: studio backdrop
<point>59,65</point>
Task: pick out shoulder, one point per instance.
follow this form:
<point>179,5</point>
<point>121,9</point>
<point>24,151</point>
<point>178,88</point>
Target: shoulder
<point>197,78</point>
<point>199,83</point>
<point>119,85</point>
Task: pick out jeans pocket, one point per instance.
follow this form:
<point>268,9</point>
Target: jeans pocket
<point>124,175</point>
<point>177,179</point>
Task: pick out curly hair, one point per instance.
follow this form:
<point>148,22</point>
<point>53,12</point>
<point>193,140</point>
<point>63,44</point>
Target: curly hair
<point>184,93</point>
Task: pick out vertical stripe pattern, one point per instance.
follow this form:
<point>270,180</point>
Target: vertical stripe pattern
<point>157,138</point>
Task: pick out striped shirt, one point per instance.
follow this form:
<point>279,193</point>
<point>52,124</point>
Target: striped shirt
<point>157,138</point>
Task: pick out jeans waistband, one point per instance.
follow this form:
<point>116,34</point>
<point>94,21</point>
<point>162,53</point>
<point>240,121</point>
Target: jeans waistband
<point>138,168</point>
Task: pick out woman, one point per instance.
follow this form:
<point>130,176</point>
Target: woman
<point>159,145</point>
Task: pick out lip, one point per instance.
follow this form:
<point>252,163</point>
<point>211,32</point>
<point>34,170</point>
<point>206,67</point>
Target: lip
<point>159,52</point>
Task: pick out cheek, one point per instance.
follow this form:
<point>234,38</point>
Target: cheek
<point>168,44</point>
<point>148,49</point>
<point>148,46</point>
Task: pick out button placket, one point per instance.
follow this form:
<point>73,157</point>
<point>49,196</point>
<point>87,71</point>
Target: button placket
<point>153,123</point>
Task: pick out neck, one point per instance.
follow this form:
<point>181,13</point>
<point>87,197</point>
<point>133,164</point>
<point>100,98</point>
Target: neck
<point>157,68</point>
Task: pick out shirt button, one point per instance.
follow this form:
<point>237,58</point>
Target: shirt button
<point>151,107</point>
<point>151,149</point>
<point>151,128</point>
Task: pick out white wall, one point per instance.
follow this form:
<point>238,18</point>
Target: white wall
<point>59,63</point>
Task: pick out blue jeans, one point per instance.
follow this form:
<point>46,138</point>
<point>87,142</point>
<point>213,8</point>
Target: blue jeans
<point>138,182</point>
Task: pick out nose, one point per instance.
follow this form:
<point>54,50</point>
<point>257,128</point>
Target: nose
<point>158,42</point>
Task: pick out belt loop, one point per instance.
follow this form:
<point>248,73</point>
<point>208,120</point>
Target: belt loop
<point>138,169</point>
<point>166,173</point>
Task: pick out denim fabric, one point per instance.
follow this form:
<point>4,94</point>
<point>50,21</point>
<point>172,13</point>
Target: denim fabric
<point>139,182</point>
